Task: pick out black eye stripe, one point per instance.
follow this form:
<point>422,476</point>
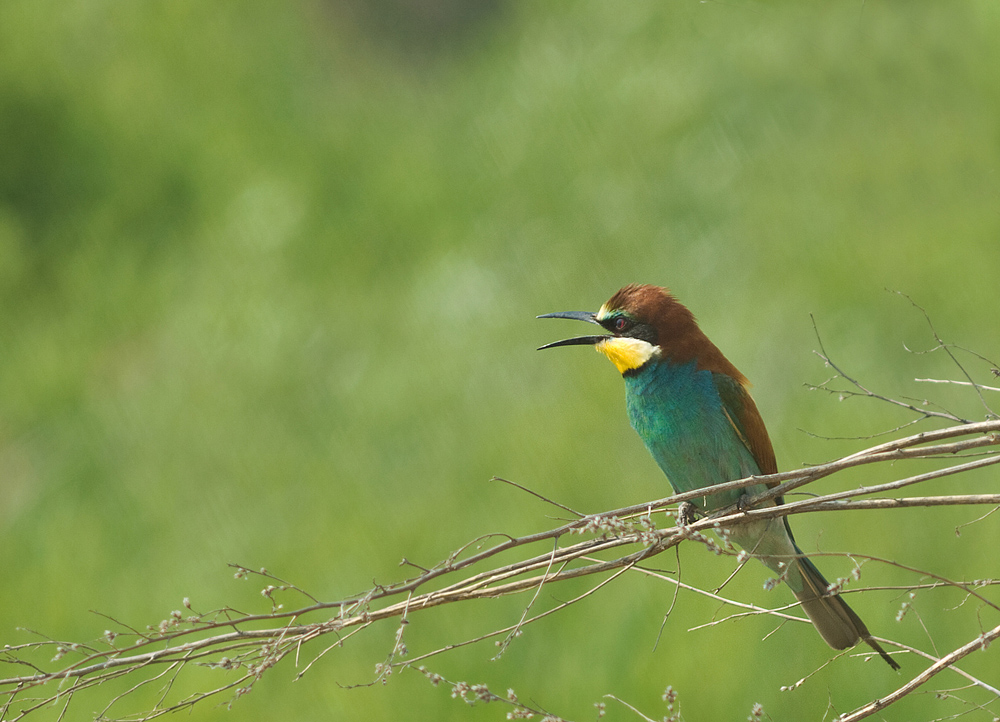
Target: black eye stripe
<point>618,324</point>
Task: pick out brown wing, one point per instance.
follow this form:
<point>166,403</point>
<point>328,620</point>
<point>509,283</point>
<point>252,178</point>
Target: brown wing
<point>742,413</point>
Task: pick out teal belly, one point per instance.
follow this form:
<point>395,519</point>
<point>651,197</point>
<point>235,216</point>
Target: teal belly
<point>678,414</point>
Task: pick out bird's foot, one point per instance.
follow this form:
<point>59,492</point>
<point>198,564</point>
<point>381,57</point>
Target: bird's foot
<point>685,513</point>
<point>743,503</point>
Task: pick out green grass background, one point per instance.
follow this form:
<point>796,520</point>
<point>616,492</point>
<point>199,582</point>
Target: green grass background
<point>268,274</point>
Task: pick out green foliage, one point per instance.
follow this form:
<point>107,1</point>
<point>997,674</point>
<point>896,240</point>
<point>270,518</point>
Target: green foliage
<point>269,274</point>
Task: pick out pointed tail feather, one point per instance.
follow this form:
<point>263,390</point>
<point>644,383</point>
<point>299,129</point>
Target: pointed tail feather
<point>836,622</point>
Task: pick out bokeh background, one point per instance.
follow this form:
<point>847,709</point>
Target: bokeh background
<point>269,273</point>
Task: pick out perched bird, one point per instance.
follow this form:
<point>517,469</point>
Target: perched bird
<point>691,408</point>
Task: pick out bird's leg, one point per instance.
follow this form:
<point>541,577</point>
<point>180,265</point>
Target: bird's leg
<point>743,503</point>
<point>685,513</point>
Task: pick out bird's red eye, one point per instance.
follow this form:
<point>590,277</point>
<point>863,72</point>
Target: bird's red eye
<point>621,323</point>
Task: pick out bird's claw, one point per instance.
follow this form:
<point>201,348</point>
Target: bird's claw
<point>685,513</point>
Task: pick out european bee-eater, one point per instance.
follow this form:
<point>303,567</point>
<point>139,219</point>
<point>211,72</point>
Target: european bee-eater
<point>691,408</point>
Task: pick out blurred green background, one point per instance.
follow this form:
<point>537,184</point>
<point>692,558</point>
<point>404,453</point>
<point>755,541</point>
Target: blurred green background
<point>268,274</point>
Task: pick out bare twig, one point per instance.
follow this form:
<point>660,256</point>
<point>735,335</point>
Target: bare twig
<point>958,383</point>
<point>947,347</point>
<point>979,643</point>
<point>862,390</point>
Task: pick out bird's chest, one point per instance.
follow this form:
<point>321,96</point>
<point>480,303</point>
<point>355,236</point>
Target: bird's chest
<point>677,412</point>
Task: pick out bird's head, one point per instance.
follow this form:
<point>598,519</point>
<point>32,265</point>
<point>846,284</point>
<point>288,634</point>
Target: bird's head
<point>645,324</point>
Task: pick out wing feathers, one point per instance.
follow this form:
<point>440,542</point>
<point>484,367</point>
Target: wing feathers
<point>742,413</point>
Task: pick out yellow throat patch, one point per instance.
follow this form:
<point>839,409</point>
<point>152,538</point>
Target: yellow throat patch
<point>627,353</point>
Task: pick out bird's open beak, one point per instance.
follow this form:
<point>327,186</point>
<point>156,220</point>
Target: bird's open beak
<point>579,340</point>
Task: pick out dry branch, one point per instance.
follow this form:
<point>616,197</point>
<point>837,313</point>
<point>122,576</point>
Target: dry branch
<point>979,643</point>
<point>227,639</point>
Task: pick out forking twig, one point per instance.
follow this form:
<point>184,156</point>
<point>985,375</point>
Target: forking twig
<point>861,390</point>
<point>947,347</point>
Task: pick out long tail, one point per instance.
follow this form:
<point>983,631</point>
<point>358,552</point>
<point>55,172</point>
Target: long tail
<point>836,622</point>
